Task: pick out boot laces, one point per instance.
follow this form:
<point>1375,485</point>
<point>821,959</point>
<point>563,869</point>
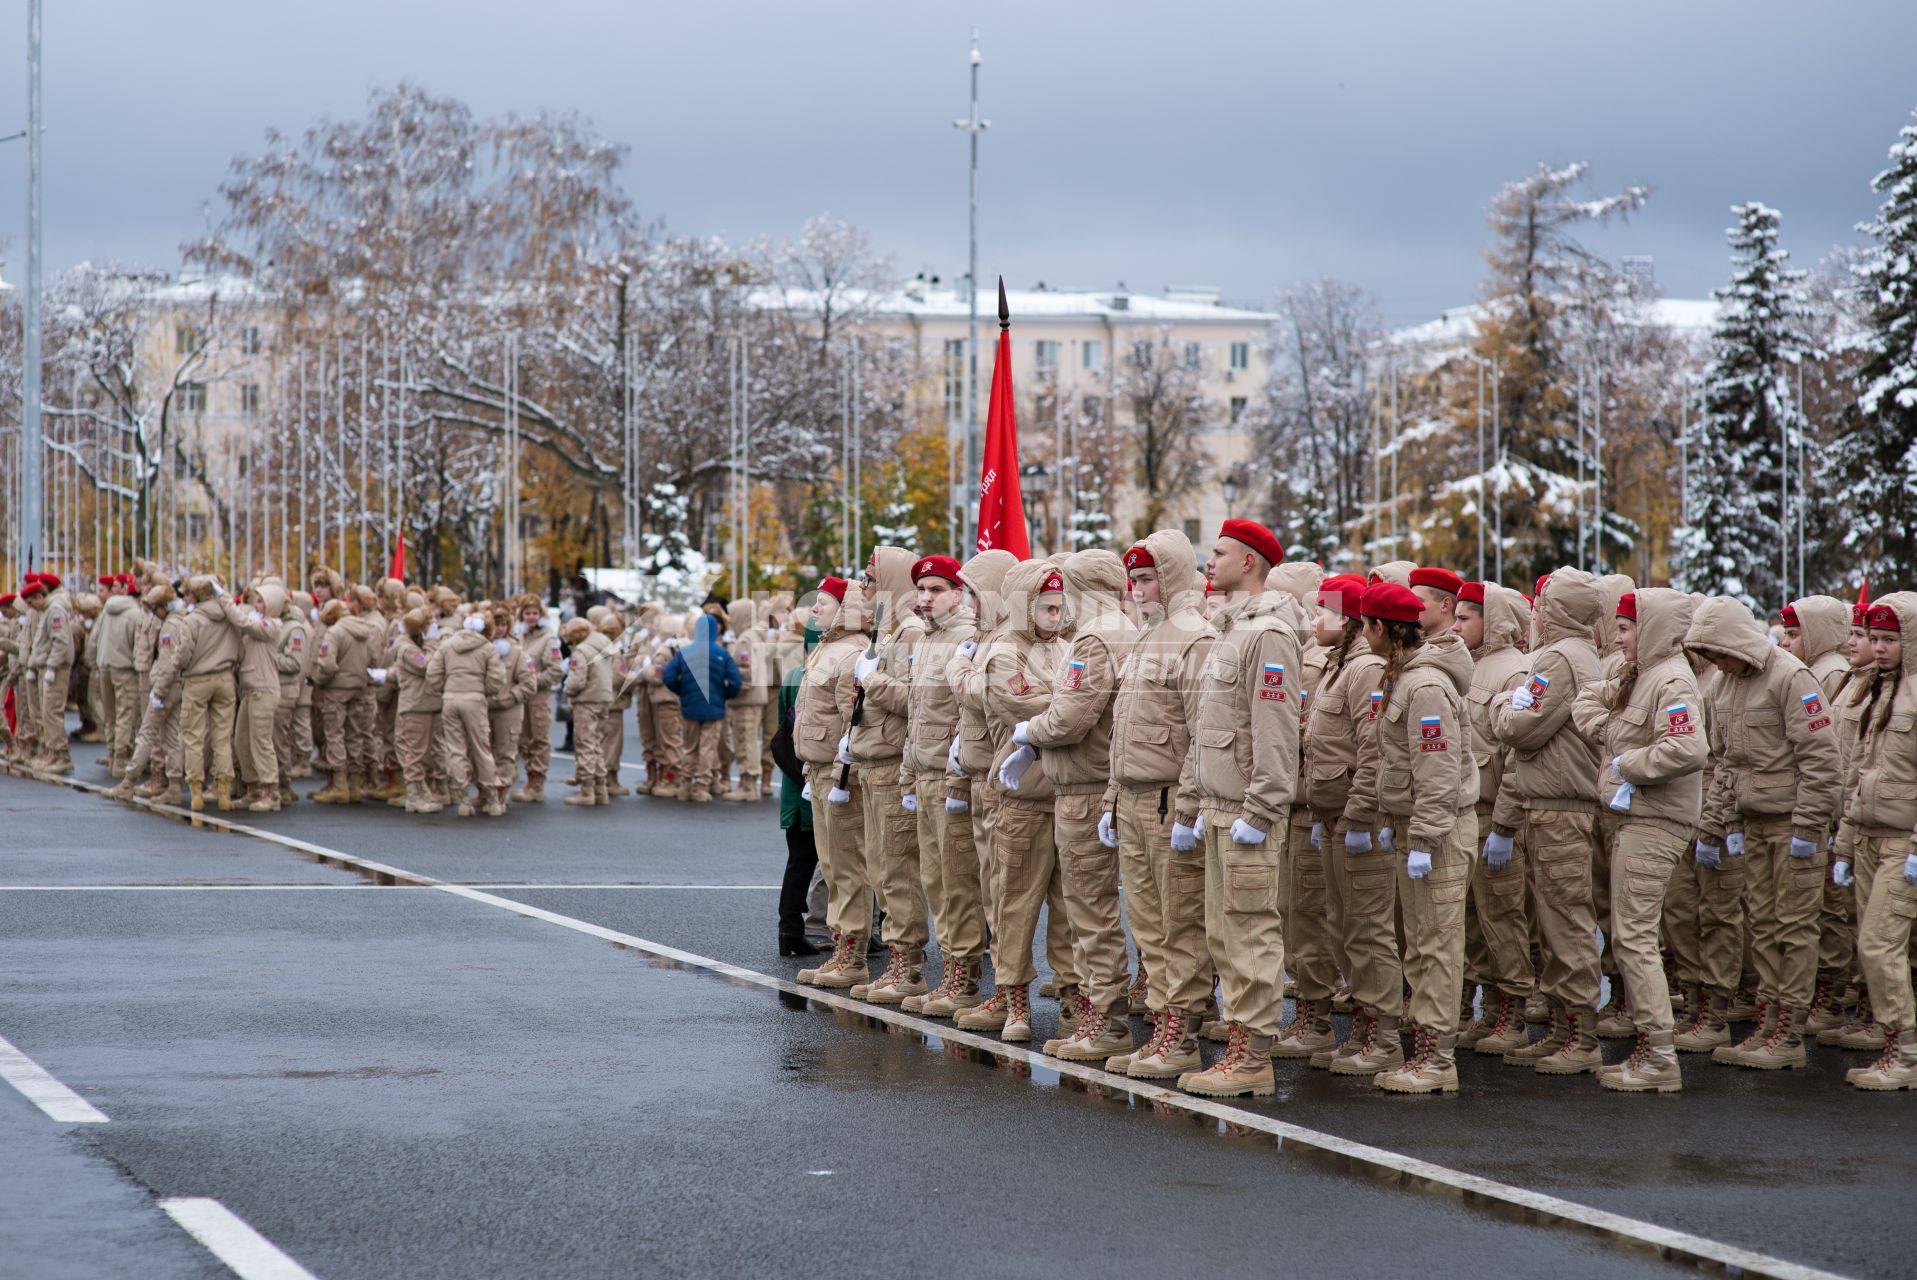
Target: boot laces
<point>1300,1023</point>
<point>1019,1005</point>
<point>1639,1051</point>
<point>1888,1058</point>
<point>841,953</point>
<point>1234,1049</point>
<point>1152,1043</point>
<point>894,969</point>
<point>954,975</point>
<point>1091,1024</point>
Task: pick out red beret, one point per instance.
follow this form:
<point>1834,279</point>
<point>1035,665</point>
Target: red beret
<point>49,580</point>
<point>1255,536</point>
<point>1054,581</point>
<point>1442,579</point>
<point>936,567</point>
<point>34,583</point>
<point>1344,592</point>
<point>1883,618</point>
<point>1790,617</point>
<point>1389,602</point>
<point>1139,558</point>
<point>6,598</point>
<point>834,587</point>
<point>1472,593</point>
<point>1627,605</point>
<point>1541,581</point>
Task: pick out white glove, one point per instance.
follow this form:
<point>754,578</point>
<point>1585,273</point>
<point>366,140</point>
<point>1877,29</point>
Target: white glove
<point>1802,848</point>
<point>501,645</point>
<point>967,649</point>
<point>432,630</point>
<point>1013,770</point>
<point>1418,864</point>
<point>1020,733</point>
<point>865,666</point>
<point>845,749</point>
<point>772,633</point>
<point>955,805</point>
<point>805,792</point>
<point>1357,842</point>
<point>1910,868</point>
<point>1385,841</point>
<point>838,795</point>
<point>1734,844</point>
<point>46,677</point>
<point>1707,854</point>
<point>256,617</point>
<point>376,674</point>
<point>1317,835</point>
<point>1184,838</point>
<point>153,700</point>
<point>1107,832</point>
<point>952,765</point>
<point>909,802</point>
<point>1243,832</point>
<point>1840,874</point>
<point>1522,698</point>
<point>475,622</point>
<point>312,615</point>
<point>1497,851</point>
<point>1621,798</point>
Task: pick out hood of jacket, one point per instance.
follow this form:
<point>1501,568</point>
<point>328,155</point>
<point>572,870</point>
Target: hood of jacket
<point>892,566</point>
<point>116,605</point>
<point>463,641</point>
<point>1664,618</point>
<point>1725,627</point>
<point>1612,587</point>
<point>984,574</point>
<point>1446,654</point>
<point>1905,605</point>
<point>1094,586</point>
<point>1180,585</point>
<point>272,599</point>
<point>1299,579</point>
<point>741,616</point>
<point>1020,594</point>
<point>1824,622</point>
<point>1569,606</point>
<point>1398,571</point>
<point>1506,618</point>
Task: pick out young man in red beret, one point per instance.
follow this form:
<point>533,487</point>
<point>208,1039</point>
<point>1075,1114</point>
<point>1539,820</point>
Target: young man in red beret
<point>54,648</point>
<point>1437,589</point>
<point>9,669</point>
<point>1246,762</point>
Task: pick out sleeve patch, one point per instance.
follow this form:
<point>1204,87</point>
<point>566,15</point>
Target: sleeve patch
<point>1677,719</point>
<point>1274,675</point>
<point>1271,695</point>
<point>1539,685</point>
<point>1074,673</point>
<point>1431,734</point>
<point>1017,683</point>
<point>1377,701</point>
<point>1814,708</point>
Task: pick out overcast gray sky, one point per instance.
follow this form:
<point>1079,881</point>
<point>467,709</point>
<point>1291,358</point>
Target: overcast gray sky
<point>1240,145</point>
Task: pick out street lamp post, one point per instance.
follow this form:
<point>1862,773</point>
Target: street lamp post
<point>30,521</point>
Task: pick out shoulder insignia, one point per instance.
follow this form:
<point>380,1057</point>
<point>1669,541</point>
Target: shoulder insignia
<point>1677,718</point>
<point>1074,673</point>
<point>1431,734</point>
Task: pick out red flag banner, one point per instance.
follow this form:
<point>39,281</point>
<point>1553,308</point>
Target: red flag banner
<point>1001,508</point>
<point>398,568</point>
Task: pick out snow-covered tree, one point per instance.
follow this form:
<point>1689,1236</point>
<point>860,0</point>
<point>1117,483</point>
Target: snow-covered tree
<point>1734,538</point>
<point>1163,386</point>
<point>1873,460</point>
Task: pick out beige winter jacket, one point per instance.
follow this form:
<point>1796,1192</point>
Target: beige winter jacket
<point>1245,750</point>
<point>345,651</point>
<point>823,711</point>
<point>467,666</point>
<point>752,652</point>
<point>1159,684</point>
<point>879,736</point>
<point>1883,803</point>
<point>259,638</point>
<point>1019,672</point>
<point>1824,622</point>
<point>167,672</point>
<point>115,633</point>
<point>1556,766</point>
<point>522,675</point>
<point>1073,736</point>
<point>1655,734</point>
<point>932,706</point>
<point>293,652</point>
<point>541,645</point>
<point>209,645</point>
<point>1497,666</point>
<point>984,576</point>
<point>416,693</point>
<point>590,680</point>
<point>1416,771</point>
<point>54,638</point>
<point>1343,711</point>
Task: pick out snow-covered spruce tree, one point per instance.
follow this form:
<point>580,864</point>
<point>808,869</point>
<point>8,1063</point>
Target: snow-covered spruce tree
<point>1873,460</point>
<point>1731,544</point>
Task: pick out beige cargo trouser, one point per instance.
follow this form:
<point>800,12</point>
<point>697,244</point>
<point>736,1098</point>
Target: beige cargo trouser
<point>1608,824</point>
<point>27,712</point>
<point>413,736</point>
<point>120,709</point>
<point>206,716</point>
<point>1680,918</point>
<point>949,871</point>
<point>303,729</point>
<point>703,739</point>
<point>1243,925</point>
<point>286,731</point>
<point>334,709</point>
<point>648,732</point>
<point>1088,872</point>
<point>53,709</point>
<point>1644,860</point>
<point>588,741</point>
<point>1027,856</point>
<point>535,734</point>
<point>1564,850</point>
<point>747,726</point>
<point>612,737</point>
<point>1374,970</point>
<point>839,832</point>
<point>672,746</point>
<point>891,854</point>
<point>1144,847</point>
<point>1306,911</point>
<point>1871,855</point>
<point>984,815</point>
<point>1498,932</point>
<point>1883,939</point>
<point>1434,924</point>
<point>1836,931</point>
<point>467,732</point>
<point>505,723</point>
<point>1720,921</point>
<point>253,737</point>
<point>1784,897</point>
<point>158,749</point>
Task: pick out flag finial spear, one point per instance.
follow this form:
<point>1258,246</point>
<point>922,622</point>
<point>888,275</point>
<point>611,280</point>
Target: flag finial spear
<point>1004,312</point>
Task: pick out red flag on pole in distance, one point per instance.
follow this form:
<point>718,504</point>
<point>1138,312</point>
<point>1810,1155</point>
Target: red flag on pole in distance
<point>398,569</point>
<point>1001,508</point>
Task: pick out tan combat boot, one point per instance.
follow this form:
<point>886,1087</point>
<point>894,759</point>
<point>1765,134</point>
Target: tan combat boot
<point>355,788</point>
<point>1651,1068</point>
<point>1733,1055</point>
<point>169,793</point>
<point>429,801</point>
<point>849,972</point>
<point>916,1004</point>
<point>989,1015</point>
<point>1308,1032</point>
<point>1099,1036</point>
<point>153,786</point>
<point>1120,1063</point>
<point>744,789</point>
<point>585,797</point>
<point>1018,1017</point>
<point>700,795</point>
<point>809,976</point>
<point>958,991</point>
<point>1579,1052</point>
<point>1508,1031</point>
<point>223,794</point>
<point>1432,1069</point>
<point>196,790</point>
<point>1175,1052</point>
<point>1895,1068</point>
<point>1861,1032</point>
<point>1745,1006</point>
<point>615,790</point>
<point>1245,1069</point>
<point>1556,1031</point>
<point>334,792</point>
<point>1381,1050</point>
<point>1827,1004</point>
<point>1074,1011</point>
<point>534,792</point>
<point>123,789</point>
<point>863,990</point>
<point>1354,1039</point>
<point>287,794</point>
<point>265,800</point>
<point>495,801</point>
<point>1614,1020</point>
<point>390,789</point>
<point>1138,995</point>
<point>1783,1048</point>
<point>906,977</point>
<point>1707,1030</point>
<point>59,763</point>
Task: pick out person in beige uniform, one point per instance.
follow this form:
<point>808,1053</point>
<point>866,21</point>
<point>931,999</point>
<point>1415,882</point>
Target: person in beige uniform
<point>1772,800</point>
<point>1245,759</point>
<point>115,637</point>
<point>466,672</point>
<point>1491,620</point>
<point>666,775</point>
<point>1614,1019</point>
<point>417,708</point>
<point>293,658</point>
<point>589,690</point>
<point>344,705</point>
<point>1360,886</point>
<point>821,718</point>
<point>745,715</point>
<point>506,713</point>
<point>1072,741</point>
<point>157,750</point>
<point>1309,953</point>
<point>541,646</point>
<point>1853,1028</point>
<point>1152,786</point>
<point>209,651</point>
<point>386,782</point>
<point>1557,778</point>
<point>1879,839</point>
<point>257,625</point>
<point>54,647</point>
<point>9,664</point>
<point>1644,722</point>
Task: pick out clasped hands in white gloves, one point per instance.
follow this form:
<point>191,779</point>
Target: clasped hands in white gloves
<point>844,755</point>
<point>1107,832</point>
<point>1522,699</point>
<point>1243,832</point>
<point>1012,771</point>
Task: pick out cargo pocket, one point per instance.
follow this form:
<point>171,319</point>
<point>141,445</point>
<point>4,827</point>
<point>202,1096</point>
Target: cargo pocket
<point>1565,880</point>
<point>1369,884</point>
<point>1251,888</point>
<point>1804,885</point>
<point>1900,897</point>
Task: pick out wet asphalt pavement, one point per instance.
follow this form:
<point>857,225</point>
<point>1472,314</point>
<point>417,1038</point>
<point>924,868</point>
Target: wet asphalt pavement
<point>399,1082</point>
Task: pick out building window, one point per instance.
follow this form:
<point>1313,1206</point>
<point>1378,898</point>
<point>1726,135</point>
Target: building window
<point>250,340</point>
<point>1092,355</point>
<point>186,340</point>
<point>1142,355</point>
<point>192,397</point>
<point>1192,534</point>
<point>1047,355</point>
<point>1191,355</point>
<point>1092,409</point>
<point>244,459</point>
<point>1240,356</point>
<point>196,526</point>
<point>1237,409</point>
<point>954,379</point>
<point>250,399</point>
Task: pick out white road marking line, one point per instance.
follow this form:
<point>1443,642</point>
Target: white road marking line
<point>302,888</point>
<point>43,1091</point>
<point>246,1252</point>
<point>1670,1244</point>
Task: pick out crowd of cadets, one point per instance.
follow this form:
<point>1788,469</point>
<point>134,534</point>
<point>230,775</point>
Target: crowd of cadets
<point>1449,808</point>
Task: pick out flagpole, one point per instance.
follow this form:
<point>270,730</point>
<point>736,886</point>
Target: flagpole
<point>973,127</point>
